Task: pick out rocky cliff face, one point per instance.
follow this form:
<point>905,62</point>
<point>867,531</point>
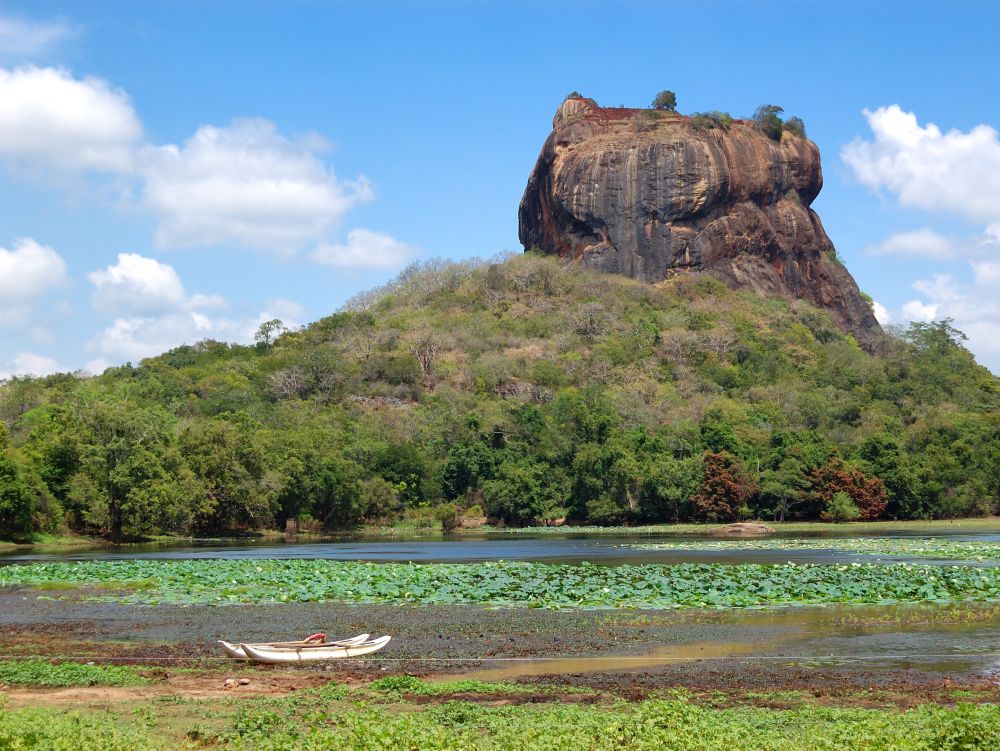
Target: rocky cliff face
<point>649,195</point>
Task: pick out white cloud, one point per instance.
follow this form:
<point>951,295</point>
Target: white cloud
<point>367,249</point>
<point>133,338</point>
<point>921,243</point>
<point>137,284</point>
<point>247,184</point>
<point>20,38</point>
<point>26,273</point>
<point>48,116</point>
<point>289,312</point>
<point>30,364</point>
<point>974,307</point>
<point>882,314</point>
<point>915,310</point>
<point>952,172</point>
<point>926,168</point>
<point>155,314</point>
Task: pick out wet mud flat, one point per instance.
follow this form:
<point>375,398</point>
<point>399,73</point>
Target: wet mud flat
<point>838,654</point>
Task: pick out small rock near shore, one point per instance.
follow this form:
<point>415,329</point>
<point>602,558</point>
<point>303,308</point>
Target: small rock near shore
<point>743,529</point>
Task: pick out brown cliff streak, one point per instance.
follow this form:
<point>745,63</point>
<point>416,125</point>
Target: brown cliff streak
<point>648,195</point>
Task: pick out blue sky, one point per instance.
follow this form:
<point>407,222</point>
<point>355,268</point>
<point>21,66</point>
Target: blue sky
<point>171,171</point>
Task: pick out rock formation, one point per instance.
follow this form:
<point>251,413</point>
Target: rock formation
<point>651,194</point>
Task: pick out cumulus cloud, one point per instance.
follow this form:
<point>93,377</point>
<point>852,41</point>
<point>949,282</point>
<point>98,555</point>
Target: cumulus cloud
<point>921,243</point>
<point>974,306</point>
<point>20,38</point>
<point>30,364</point>
<point>137,284</point>
<point>882,314</point>
<point>133,338</point>
<point>926,168</point>
<point>248,184</point>
<point>49,117</point>
<point>955,173</point>
<point>365,248</point>
<point>27,272</point>
<point>244,184</point>
<point>154,313</point>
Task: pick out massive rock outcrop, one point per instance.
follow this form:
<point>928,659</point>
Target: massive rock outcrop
<point>651,194</point>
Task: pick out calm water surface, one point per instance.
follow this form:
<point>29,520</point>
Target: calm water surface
<point>547,548</point>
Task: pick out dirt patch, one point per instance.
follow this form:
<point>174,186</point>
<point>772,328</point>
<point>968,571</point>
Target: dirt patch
<point>208,686</point>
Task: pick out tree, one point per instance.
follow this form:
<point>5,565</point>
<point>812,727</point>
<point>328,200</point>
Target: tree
<point>868,494</point>
<point>725,489</point>
<point>18,499</point>
<point>523,492</point>
<point>468,465</point>
<point>665,100</point>
<point>668,487</point>
<point>883,457</point>
<point>269,332</point>
<point>227,458</point>
<point>766,117</point>
<point>125,485</point>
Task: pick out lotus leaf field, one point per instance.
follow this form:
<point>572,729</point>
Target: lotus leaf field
<point>969,550</point>
<point>508,584</point>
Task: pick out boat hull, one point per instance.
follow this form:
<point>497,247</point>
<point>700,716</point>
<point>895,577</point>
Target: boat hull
<point>259,653</point>
<point>236,652</point>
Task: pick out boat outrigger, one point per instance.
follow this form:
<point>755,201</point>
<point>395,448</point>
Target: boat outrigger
<point>314,647</point>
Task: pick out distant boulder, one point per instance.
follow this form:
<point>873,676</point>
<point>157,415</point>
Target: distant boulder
<point>742,529</point>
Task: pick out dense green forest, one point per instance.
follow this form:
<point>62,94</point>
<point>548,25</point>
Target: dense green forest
<point>526,388</point>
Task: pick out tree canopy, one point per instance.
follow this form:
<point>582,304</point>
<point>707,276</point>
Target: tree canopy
<point>526,387</point>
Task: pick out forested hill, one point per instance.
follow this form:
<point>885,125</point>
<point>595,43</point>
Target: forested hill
<point>528,388</point>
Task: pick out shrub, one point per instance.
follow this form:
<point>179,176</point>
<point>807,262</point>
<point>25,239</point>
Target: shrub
<point>709,120</point>
<point>841,508</point>
<point>449,516</point>
<point>795,126</point>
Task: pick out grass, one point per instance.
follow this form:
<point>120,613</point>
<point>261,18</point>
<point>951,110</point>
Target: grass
<point>342,721</point>
<point>918,526</point>
<point>65,674</point>
<point>514,584</point>
<point>872,546</point>
<point>407,685</point>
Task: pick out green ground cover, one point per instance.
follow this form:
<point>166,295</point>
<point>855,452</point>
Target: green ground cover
<point>43,673</point>
<point>972,550</point>
<point>917,526</point>
<point>336,723</point>
<point>509,584</point>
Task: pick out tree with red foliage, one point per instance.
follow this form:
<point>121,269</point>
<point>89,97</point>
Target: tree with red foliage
<point>725,489</point>
<point>868,494</point>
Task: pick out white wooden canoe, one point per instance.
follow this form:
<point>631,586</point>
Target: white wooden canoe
<point>236,650</point>
<point>329,651</point>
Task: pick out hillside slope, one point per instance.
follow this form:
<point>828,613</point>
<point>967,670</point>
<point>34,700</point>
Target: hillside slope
<point>535,389</point>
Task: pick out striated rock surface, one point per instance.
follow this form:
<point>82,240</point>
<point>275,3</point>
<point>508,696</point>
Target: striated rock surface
<point>647,194</point>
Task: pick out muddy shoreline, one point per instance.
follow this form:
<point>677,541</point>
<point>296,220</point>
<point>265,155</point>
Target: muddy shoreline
<point>630,654</point>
